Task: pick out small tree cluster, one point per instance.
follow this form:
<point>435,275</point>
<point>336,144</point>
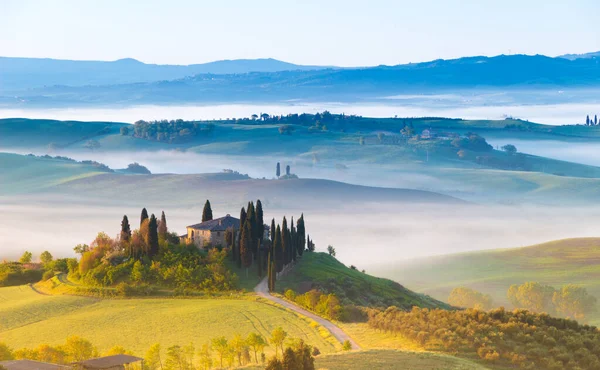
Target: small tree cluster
<point>591,122</point>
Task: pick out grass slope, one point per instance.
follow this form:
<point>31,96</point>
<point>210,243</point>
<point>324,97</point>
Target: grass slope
<point>136,324</point>
<point>22,174</point>
<point>323,271</point>
<point>569,261</point>
<point>39,133</point>
<point>391,359</point>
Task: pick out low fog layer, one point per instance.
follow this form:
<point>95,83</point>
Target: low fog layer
<point>455,106</point>
<point>363,234</point>
<point>578,152</point>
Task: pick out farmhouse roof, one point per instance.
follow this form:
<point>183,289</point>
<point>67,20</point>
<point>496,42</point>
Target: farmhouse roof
<point>108,361</point>
<point>29,365</point>
<point>218,224</point>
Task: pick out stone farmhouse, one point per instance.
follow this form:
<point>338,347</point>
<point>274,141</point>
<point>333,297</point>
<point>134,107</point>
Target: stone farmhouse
<point>212,232</point>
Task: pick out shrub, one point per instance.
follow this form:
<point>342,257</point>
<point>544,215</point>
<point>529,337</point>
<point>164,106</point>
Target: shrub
<point>48,275</point>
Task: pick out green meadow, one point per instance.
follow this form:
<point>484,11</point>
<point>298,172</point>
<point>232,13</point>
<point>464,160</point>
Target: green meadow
<point>30,319</point>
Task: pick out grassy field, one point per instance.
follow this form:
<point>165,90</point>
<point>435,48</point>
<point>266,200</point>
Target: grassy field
<point>391,360</point>
<point>136,324</point>
<point>569,261</point>
<point>323,271</point>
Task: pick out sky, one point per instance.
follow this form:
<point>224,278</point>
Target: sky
<point>325,32</point>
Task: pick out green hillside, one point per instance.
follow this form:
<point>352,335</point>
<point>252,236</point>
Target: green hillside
<point>136,324</point>
<point>22,174</point>
<point>569,261</point>
<point>32,134</point>
<point>323,272</point>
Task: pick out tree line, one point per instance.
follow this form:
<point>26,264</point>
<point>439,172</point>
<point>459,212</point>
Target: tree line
<point>290,353</point>
<point>570,301</point>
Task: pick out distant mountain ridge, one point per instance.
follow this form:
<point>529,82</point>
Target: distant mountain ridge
<point>581,56</point>
<point>271,80</point>
<point>23,73</point>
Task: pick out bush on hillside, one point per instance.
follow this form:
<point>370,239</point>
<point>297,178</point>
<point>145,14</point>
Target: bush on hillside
<point>519,338</point>
<point>14,273</point>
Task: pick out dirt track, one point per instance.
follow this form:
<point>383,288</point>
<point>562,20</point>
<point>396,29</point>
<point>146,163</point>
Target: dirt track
<point>263,291</point>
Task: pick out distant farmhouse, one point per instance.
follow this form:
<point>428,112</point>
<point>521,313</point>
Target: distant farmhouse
<point>212,232</point>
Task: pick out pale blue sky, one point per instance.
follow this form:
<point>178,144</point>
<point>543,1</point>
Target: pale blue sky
<point>325,32</point>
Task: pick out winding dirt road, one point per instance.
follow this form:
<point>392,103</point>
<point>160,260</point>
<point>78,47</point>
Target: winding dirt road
<point>262,290</point>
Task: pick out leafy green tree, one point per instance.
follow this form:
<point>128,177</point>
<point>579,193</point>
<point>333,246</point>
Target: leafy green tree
<point>531,296</point>
<point>79,349</point>
<point>207,212</point>
<point>26,257</point>
<point>574,301</point>
<point>510,149</point>
<point>162,227</point>
<point>469,298</point>
<point>152,359</point>
<point>81,248</point>
<point>152,236</point>
<point>221,346</point>
<point>289,359</point>
<point>347,346</point>
<point>46,257</point>
<point>278,336</point>
<point>257,342</point>
<point>238,344</point>
<point>143,217</point>
<point>175,359</point>
<point>6,353</point>
<point>124,131</point>
<point>205,355</point>
<point>331,250</point>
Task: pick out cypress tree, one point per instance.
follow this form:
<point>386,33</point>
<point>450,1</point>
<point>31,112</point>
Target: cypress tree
<point>587,120</point>
<point>260,221</point>
<point>144,216</point>
<point>152,236</point>
<point>300,235</point>
<point>277,248</point>
<point>245,247</point>
<point>278,171</point>
<point>269,271</point>
<point>272,232</point>
<point>125,230</point>
<point>162,227</point>
<point>284,242</point>
<point>242,218</point>
<point>287,170</point>
<point>259,262</point>
<point>293,244</point>
<point>595,119</point>
<point>207,212</point>
<point>251,220</point>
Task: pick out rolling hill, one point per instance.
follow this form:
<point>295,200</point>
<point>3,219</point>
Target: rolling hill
<point>556,263</point>
<point>325,273</point>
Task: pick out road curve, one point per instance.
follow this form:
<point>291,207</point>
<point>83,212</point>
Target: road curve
<point>262,290</point>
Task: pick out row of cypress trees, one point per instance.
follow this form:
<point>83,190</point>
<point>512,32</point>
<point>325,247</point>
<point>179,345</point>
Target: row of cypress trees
<point>151,231</point>
<point>271,255</point>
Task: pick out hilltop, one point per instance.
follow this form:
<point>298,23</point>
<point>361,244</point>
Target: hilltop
<point>325,273</point>
<point>556,263</point>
